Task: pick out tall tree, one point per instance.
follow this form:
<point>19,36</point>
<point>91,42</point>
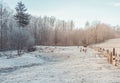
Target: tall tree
<point>4,17</point>
<point>21,16</point>
<point>21,36</point>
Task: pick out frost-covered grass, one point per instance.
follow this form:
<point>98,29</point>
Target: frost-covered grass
<point>58,65</point>
<point>25,59</point>
<point>110,44</point>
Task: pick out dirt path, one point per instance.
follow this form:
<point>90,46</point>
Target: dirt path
<point>73,67</point>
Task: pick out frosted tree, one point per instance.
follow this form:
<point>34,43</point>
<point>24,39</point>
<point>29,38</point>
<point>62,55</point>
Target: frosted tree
<point>21,39</point>
<point>21,16</point>
<point>5,14</point>
<point>20,36</point>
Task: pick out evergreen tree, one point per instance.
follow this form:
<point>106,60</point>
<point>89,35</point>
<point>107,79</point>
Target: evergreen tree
<point>21,16</point>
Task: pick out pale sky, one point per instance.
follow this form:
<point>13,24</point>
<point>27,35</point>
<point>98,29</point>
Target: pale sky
<point>80,11</point>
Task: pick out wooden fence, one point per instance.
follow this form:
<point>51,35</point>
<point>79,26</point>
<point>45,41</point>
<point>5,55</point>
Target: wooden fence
<point>112,57</point>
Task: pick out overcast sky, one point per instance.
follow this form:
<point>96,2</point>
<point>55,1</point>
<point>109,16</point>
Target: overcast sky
<point>80,11</point>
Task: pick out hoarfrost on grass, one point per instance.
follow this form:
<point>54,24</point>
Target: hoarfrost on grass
<point>63,65</point>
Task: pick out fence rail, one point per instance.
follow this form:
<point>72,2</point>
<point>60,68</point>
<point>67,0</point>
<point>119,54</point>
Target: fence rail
<point>112,56</point>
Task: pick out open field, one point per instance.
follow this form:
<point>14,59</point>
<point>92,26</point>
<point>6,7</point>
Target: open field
<point>110,44</point>
<point>59,41</point>
<point>58,65</point>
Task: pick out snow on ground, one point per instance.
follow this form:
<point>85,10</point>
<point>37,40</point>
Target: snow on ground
<point>26,59</point>
<point>58,65</point>
<point>110,44</point>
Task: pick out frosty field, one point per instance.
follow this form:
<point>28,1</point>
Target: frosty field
<point>58,65</point>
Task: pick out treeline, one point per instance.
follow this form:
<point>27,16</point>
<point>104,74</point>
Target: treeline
<point>47,31</point>
<point>14,34</point>
<point>51,31</point>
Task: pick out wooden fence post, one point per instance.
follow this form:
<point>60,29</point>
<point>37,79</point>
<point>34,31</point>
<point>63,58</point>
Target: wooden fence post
<point>116,59</point>
<point>110,58</point>
<point>108,54</point>
<point>113,57</point>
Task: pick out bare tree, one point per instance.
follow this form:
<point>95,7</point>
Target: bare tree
<point>20,39</point>
<point>5,13</point>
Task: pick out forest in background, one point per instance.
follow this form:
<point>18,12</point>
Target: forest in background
<point>47,30</point>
